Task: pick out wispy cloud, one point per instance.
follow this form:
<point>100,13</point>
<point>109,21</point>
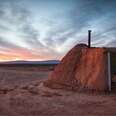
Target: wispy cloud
<point>42,30</point>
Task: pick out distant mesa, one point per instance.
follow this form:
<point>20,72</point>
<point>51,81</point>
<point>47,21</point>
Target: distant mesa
<point>80,69</point>
<point>32,62</point>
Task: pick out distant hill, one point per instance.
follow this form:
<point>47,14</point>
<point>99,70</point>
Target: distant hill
<point>47,62</point>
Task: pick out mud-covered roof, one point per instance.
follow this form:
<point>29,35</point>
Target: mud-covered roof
<point>111,49</point>
<point>108,49</point>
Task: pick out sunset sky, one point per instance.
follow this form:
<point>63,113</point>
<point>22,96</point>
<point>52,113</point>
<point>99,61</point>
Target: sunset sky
<point>47,29</point>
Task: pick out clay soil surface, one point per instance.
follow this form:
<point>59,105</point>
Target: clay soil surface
<point>23,94</point>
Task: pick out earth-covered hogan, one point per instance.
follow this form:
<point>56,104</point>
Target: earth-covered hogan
<point>85,68</point>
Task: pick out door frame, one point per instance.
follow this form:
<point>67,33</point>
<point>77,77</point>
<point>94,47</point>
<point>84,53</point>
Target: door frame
<point>109,72</point>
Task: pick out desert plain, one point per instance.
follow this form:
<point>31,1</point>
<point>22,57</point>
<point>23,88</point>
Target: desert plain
<point>22,94</point>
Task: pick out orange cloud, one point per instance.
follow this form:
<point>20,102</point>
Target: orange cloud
<point>25,54</point>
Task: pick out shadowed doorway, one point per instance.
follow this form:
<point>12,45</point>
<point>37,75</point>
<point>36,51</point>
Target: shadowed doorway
<point>113,69</point>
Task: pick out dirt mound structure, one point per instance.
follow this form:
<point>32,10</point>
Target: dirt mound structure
<point>81,68</point>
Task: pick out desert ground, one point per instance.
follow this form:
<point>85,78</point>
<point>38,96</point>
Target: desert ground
<point>22,94</point>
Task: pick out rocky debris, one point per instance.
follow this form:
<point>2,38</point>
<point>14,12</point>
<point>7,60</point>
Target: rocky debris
<point>6,88</point>
<point>47,92</point>
<point>34,88</point>
<point>31,87</point>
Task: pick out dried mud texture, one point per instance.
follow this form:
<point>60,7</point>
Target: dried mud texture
<point>38,100</point>
<point>82,68</point>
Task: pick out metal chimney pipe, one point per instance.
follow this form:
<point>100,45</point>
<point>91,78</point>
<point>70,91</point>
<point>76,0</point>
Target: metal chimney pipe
<point>89,38</point>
